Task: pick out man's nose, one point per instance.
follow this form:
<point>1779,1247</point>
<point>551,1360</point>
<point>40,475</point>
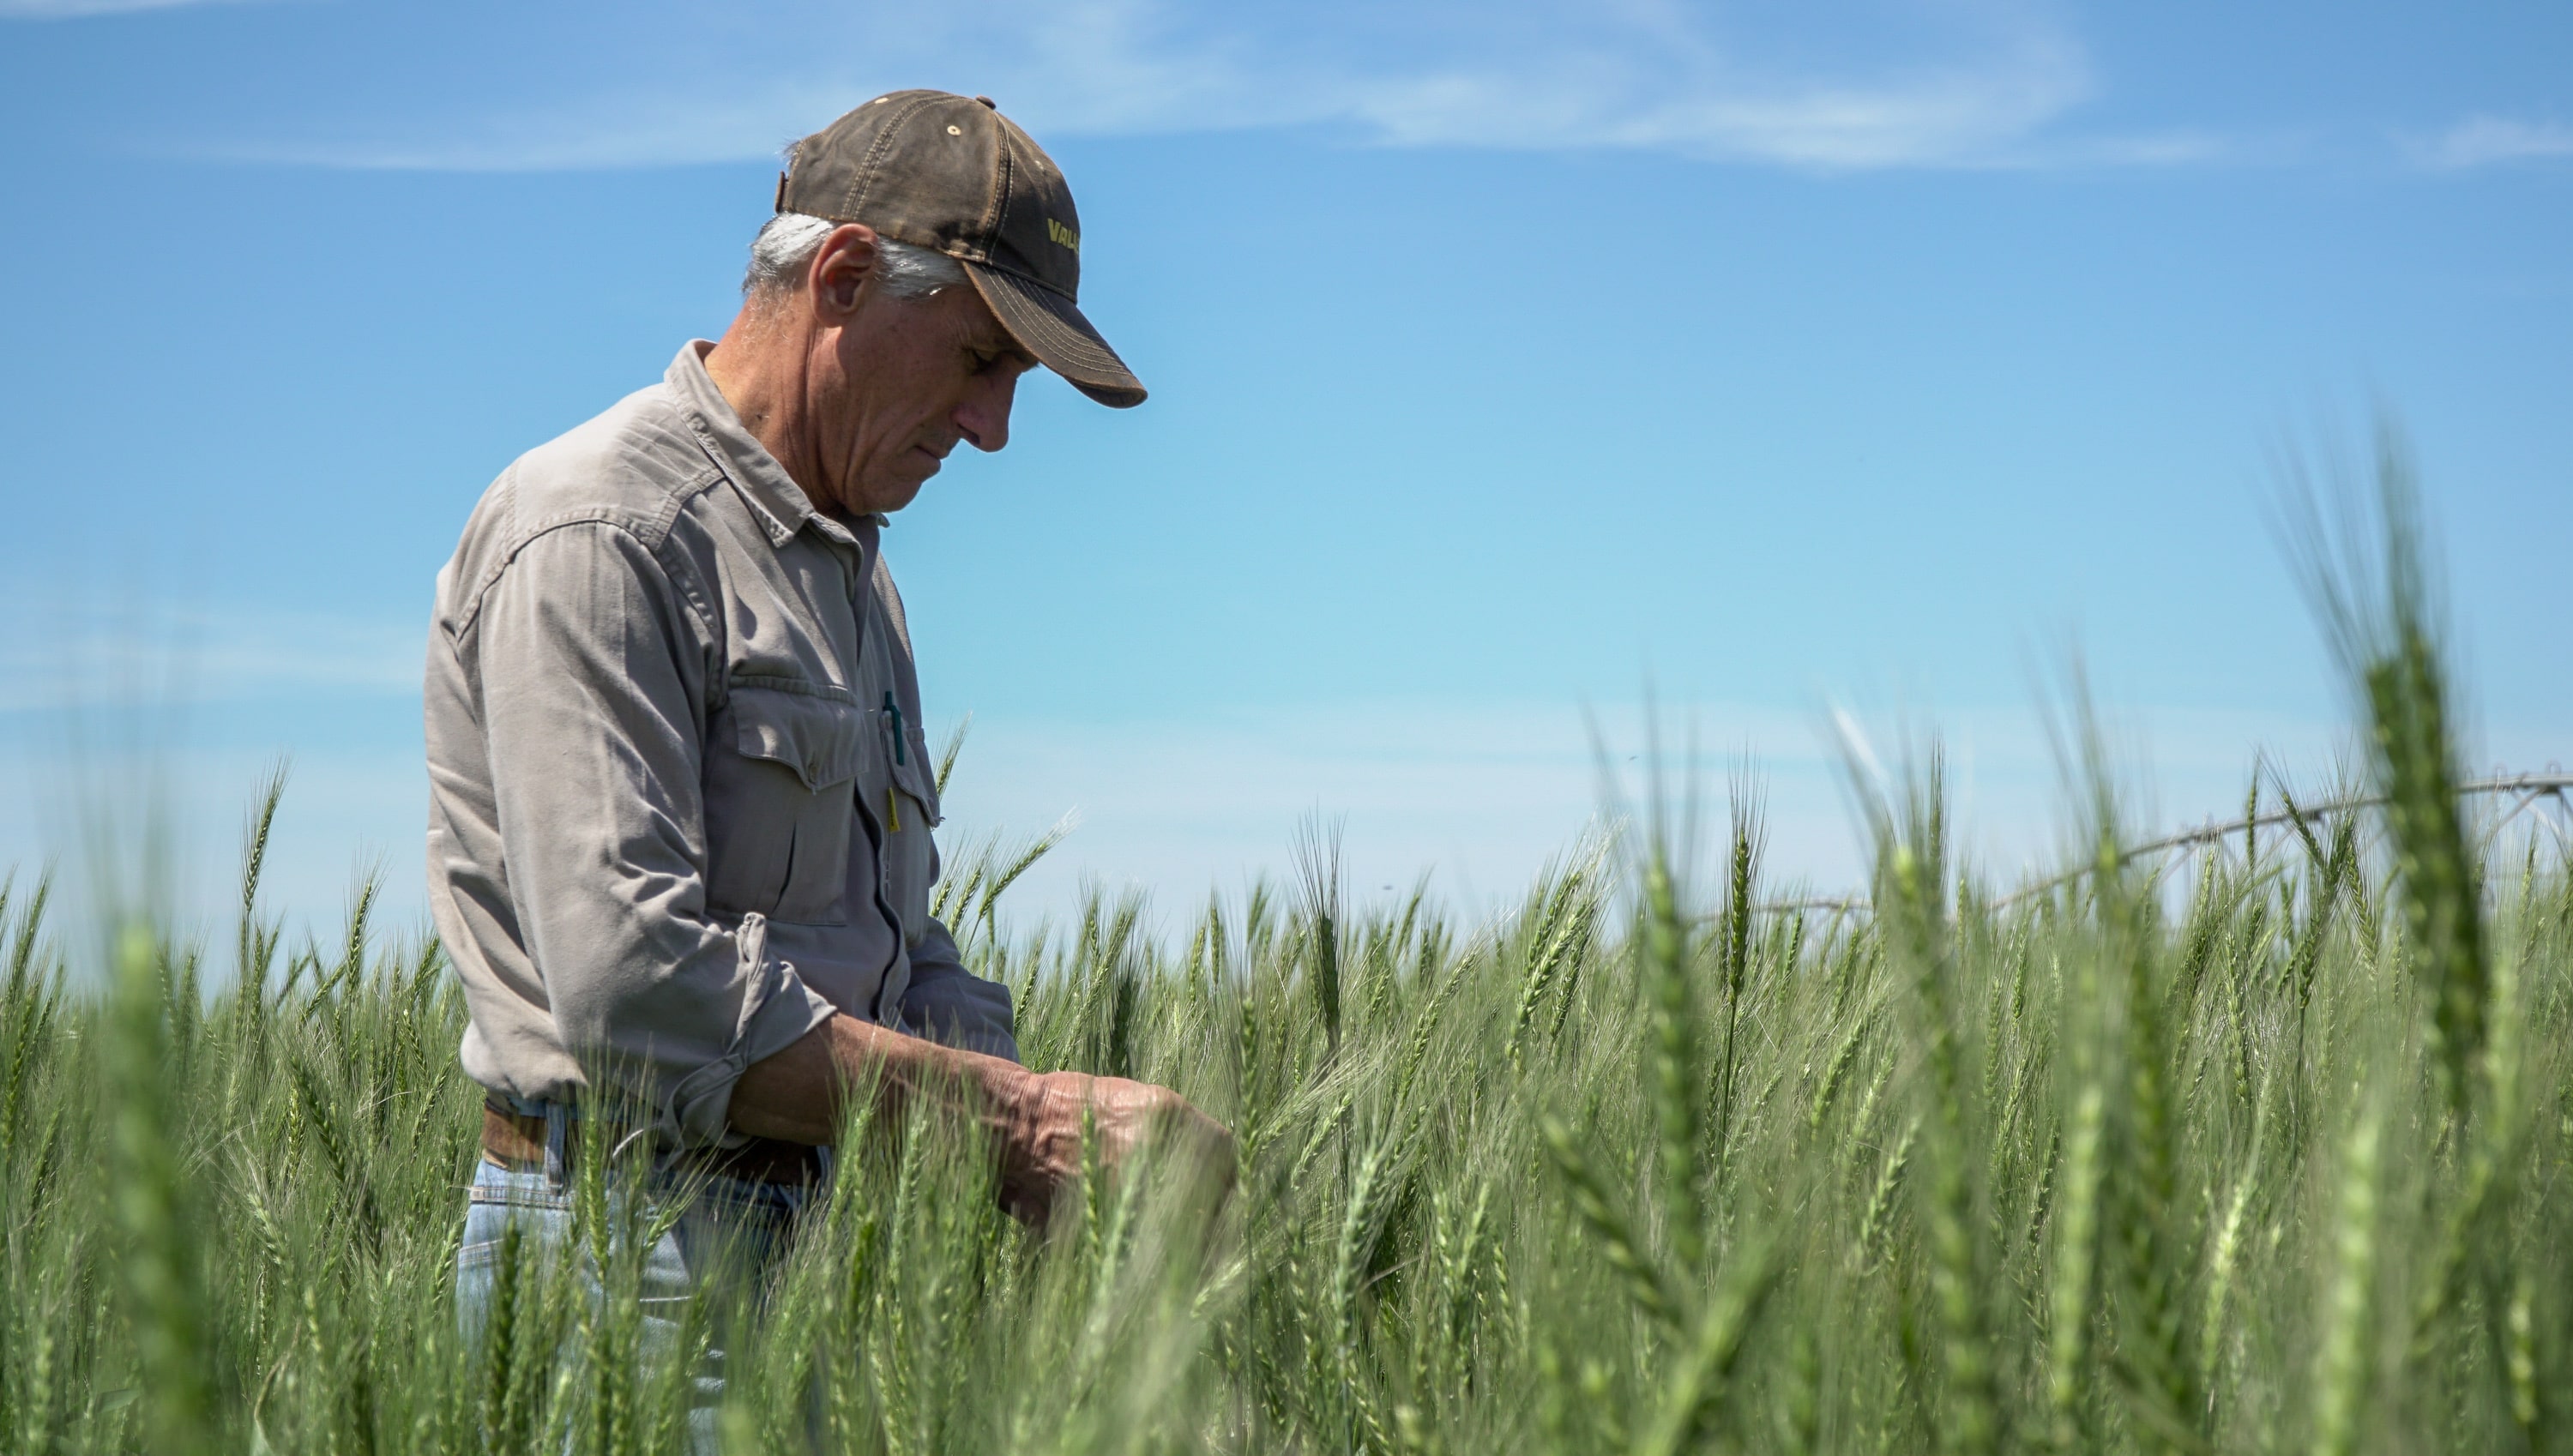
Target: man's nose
<point>984,417</point>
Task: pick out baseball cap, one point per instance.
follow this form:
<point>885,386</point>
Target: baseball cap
<point>951,174</point>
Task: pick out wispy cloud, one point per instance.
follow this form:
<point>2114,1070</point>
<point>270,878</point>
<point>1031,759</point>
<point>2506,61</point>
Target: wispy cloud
<point>65,656</point>
<point>75,9</point>
<point>1857,85</point>
<point>2486,141</point>
<point>1483,794</point>
<point>1708,105</point>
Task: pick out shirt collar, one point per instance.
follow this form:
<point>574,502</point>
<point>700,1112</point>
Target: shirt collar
<point>781,504</point>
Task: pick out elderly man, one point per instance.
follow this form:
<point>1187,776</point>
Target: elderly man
<point>679,838</point>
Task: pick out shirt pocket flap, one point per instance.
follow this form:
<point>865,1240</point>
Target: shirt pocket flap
<point>816,737</point>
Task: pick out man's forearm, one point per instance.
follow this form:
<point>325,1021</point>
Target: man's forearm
<point>801,1094</point>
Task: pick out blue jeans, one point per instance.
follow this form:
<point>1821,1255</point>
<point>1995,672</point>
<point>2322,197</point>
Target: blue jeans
<point>723,1247</point>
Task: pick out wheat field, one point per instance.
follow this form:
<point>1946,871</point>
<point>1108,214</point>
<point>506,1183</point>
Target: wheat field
<point>2258,1151</point>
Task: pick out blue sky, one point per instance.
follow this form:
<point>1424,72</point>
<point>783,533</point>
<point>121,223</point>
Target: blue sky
<point>1506,359</point>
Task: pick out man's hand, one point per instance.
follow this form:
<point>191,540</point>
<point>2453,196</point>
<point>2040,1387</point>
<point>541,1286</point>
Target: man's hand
<point>1037,1118</point>
<point>1042,1149</point>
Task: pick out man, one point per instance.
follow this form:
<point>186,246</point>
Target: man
<point>679,837</point>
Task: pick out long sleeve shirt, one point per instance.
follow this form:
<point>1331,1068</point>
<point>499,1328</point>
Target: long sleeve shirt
<point>680,800</point>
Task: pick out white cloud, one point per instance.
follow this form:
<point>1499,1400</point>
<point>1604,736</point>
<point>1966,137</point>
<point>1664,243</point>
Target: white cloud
<point>1867,85</point>
<point>66,654</point>
<point>1477,796</point>
<point>1625,97</point>
<point>2178,148</point>
<point>1480,797</point>
<point>75,9</point>
<point>2485,141</point>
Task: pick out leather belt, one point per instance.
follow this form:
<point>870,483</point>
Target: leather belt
<point>516,1142</point>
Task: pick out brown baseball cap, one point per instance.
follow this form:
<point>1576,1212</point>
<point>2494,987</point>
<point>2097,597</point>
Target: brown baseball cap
<point>951,174</point>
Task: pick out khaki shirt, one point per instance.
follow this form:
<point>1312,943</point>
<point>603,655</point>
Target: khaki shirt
<point>679,798</point>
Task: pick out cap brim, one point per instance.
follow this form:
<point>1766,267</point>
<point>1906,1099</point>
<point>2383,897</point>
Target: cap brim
<point>1051,327</point>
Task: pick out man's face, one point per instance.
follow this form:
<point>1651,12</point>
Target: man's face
<point>900,383</point>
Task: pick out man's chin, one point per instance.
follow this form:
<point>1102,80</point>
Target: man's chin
<point>893,495</point>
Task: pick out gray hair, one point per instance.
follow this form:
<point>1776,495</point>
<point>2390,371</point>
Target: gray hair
<point>787,244</point>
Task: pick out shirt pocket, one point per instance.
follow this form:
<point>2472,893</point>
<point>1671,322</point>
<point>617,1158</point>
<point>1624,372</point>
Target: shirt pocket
<point>910,854</point>
<point>780,768</point>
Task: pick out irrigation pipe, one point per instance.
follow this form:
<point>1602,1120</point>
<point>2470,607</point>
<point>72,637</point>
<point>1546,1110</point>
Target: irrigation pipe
<point>2530,788</point>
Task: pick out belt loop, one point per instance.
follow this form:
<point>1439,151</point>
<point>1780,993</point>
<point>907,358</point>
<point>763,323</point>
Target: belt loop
<point>558,1171</point>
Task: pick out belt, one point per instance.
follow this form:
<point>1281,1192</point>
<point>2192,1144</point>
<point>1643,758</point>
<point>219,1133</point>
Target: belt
<point>517,1141</point>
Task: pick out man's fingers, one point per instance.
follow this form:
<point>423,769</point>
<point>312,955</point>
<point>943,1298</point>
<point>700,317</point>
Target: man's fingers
<point>1120,1119</point>
<point>1164,1121</point>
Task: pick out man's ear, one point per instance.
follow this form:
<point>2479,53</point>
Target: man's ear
<point>840,268</point>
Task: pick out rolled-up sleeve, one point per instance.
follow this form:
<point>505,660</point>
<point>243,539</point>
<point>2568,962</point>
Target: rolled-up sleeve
<point>948,1004</point>
<point>591,675</point>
